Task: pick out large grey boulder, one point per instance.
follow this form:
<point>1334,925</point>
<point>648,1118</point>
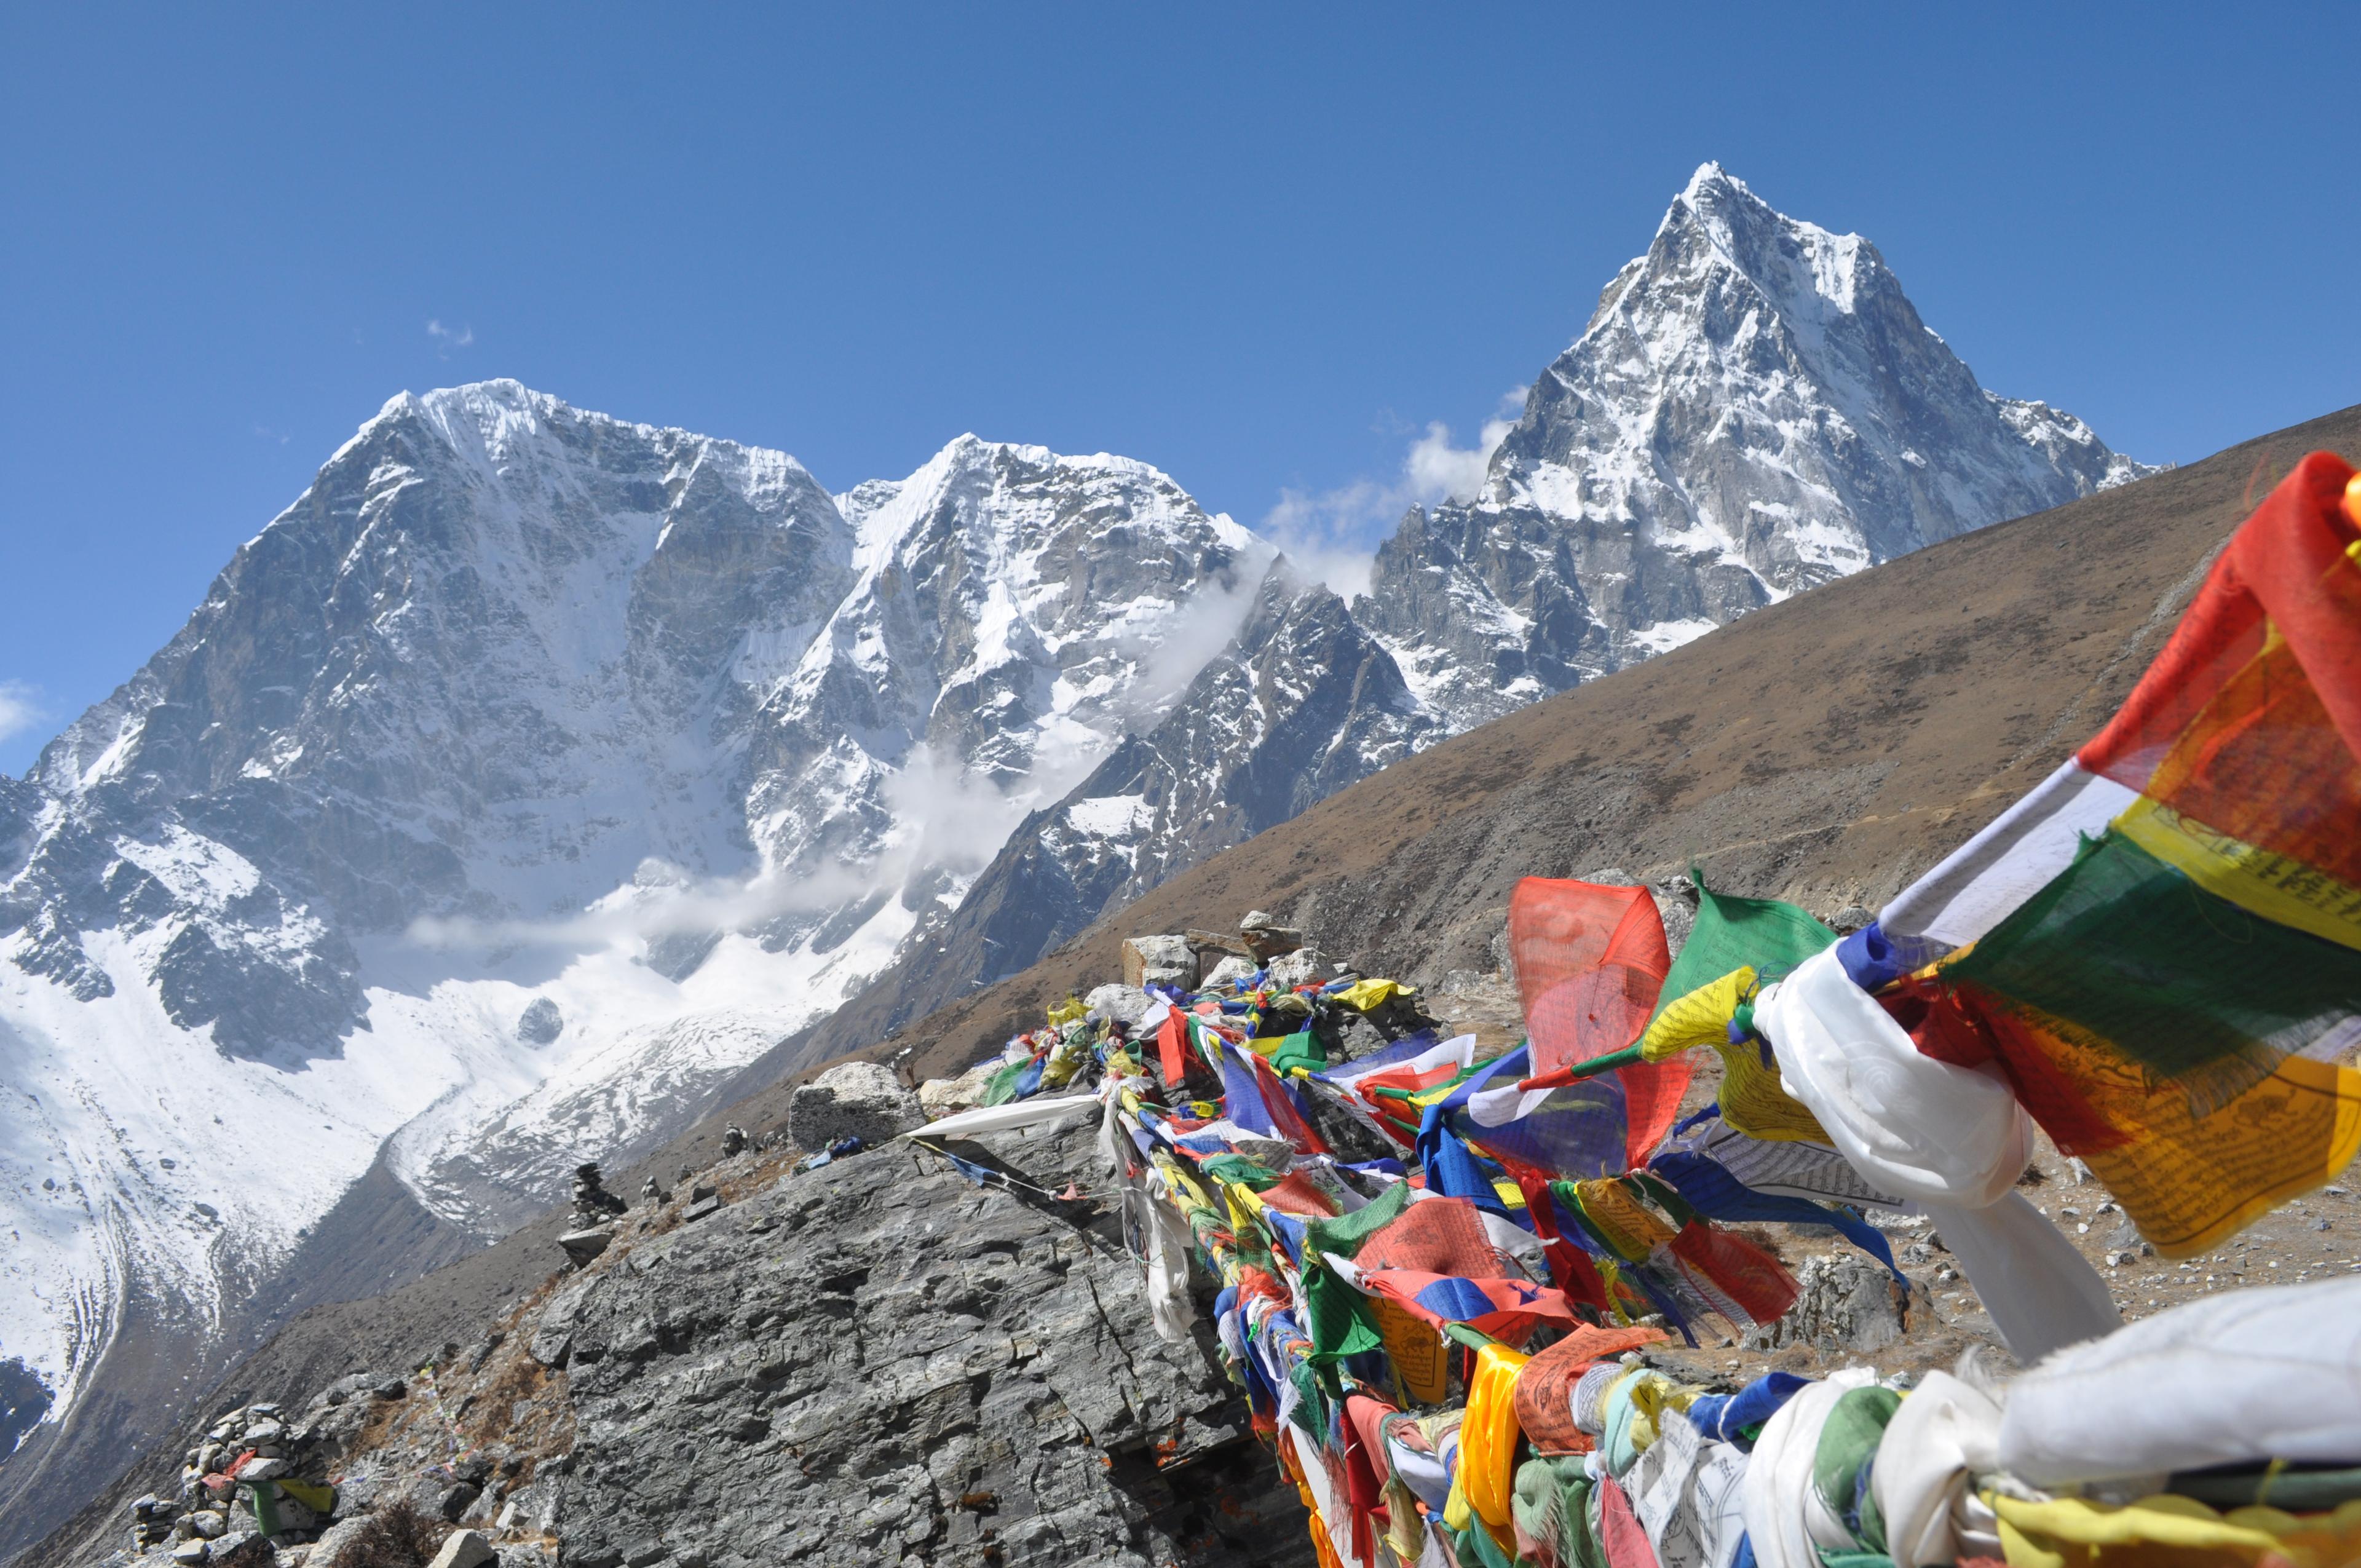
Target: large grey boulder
<point>464,1549</point>
<point>881,1364</point>
<point>541,1023</point>
<point>1126,1004</point>
<point>1158,960</point>
<point>1228,971</point>
<point>853,1099</point>
<point>339,1548</point>
<point>1841,1303</point>
<point>1301,967</point>
<point>942,1096</point>
<point>1266,937</point>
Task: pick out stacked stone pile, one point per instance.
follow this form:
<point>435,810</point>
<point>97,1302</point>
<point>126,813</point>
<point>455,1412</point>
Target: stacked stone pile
<point>256,1488</point>
<point>372,1459</point>
<point>595,1210</point>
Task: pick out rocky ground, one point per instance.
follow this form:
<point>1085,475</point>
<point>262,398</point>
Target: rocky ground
<point>872,1362</point>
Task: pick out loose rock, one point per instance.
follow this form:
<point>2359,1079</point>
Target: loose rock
<point>464,1549</point>
<point>1842,1303</point>
<point>1158,960</point>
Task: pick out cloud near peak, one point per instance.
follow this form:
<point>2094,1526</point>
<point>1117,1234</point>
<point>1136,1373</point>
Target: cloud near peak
<point>1332,535</point>
<point>20,709</point>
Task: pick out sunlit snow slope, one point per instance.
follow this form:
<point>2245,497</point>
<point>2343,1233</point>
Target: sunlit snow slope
<point>1754,408</point>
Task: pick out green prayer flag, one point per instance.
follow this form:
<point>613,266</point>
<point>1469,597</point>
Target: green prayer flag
<point>2184,983</point>
<point>1341,1323</point>
<point>1733,933</point>
<point>1001,1088</point>
<point>1856,1424</point>
<point>1244,1172</point>
<point>1301,1048</point>
<point>1344,1234</point>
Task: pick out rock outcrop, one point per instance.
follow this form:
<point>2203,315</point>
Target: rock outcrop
<point>852,1100</point>
<point>873,1363</point>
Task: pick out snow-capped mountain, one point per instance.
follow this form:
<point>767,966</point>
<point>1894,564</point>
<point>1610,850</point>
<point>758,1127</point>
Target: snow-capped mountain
<point>536,772</point>
<point>1302,703</point>
<point>518,785</point>
<point>1753,409</point>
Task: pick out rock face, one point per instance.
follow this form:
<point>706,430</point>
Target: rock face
<point>890,1365</point>
<point>875,1362</point>
<point>537,772</point>
<point>1159,960</point>
<point>541,1023</point>
<point>852,1100</point>
<point>1844,1303</point>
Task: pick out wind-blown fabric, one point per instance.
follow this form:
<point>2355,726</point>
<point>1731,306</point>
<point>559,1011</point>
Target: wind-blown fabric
<point>1921,1129</point>
<point>2272,1372</point>
<point>1750,1098</point>
<point>1007,1117</point>
<point>1764,935</point>
<point>2161,946</point>
<point>1944,1432</point>
<point>1504,1308</point>
<point>1688,1492</point>
<point>1544,1395</point>
<point>1779,1474</point>
<point>2042,1293</point>
<point>1951,1138</point>
<point>1590,961</point>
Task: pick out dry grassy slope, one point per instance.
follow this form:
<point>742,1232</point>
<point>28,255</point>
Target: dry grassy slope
<point>1825,749</point>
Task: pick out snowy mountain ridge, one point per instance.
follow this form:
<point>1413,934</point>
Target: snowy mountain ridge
<point>1754,408</point>
<point>536,771</point>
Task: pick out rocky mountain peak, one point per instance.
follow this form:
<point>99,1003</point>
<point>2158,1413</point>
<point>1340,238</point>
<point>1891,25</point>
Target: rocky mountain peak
<point>1754,408</point>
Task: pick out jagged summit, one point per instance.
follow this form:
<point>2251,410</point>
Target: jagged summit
<point>1753,409</point>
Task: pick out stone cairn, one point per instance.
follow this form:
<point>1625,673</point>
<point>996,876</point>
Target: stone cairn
<point>237,1483</point>
<point>593,1204</point>
<point>595,1209</point>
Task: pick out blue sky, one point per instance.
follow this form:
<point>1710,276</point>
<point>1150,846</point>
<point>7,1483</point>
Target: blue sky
<point>1261,247</point>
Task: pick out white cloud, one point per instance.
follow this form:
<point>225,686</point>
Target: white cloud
<point>446,339</point>
<point>1185,645</point>
<point>663,900</point>
<point>955,820</point>
<point>19,709</point>
<point>1333,536</point>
